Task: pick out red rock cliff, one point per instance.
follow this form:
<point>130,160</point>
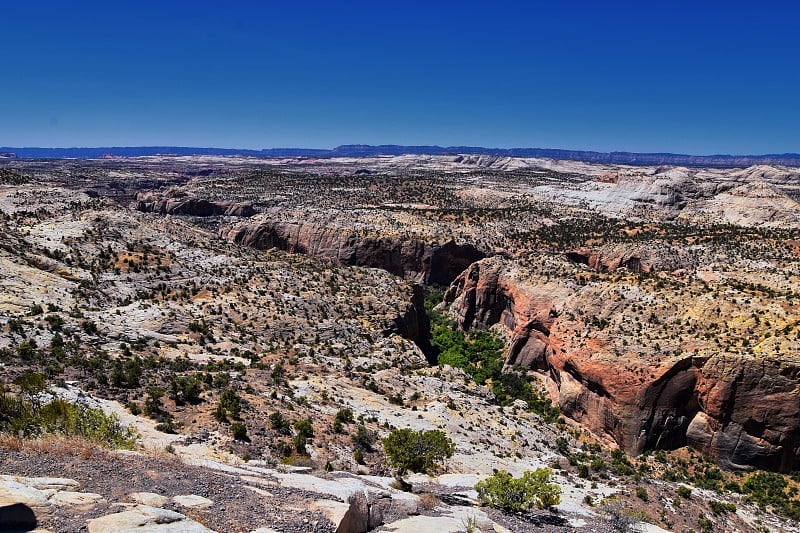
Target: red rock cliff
<point>740,410</point>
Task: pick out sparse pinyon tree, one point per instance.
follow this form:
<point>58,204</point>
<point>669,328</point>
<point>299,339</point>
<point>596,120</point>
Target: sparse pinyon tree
<point>416,451</point>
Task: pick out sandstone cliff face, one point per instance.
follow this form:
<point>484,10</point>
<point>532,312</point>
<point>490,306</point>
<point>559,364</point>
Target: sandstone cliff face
<point>750,412</point>
<point>739,409</point>
<point>177,203</point>
<point>413,259</point>
<point>486,294</point>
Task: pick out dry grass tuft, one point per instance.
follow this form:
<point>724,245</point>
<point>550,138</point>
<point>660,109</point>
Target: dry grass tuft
<point>56,445</point>
<point>428,501</point>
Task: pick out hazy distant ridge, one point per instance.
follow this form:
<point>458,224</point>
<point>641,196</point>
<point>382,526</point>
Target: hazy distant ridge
<point>356,150</point>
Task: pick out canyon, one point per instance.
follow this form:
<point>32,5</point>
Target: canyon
<point>739,408</point>
<point>657,307</point>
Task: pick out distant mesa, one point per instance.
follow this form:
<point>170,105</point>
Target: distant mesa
<point>365,150</point>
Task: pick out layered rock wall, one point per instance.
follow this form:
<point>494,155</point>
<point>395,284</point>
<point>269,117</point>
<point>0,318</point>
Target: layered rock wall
<point>413,259</point>
<point>180,204</point>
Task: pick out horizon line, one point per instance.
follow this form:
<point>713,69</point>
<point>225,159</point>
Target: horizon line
<point>372,147</point>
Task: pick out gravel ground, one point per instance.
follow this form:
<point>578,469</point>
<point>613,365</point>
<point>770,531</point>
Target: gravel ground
<point>116,475</point>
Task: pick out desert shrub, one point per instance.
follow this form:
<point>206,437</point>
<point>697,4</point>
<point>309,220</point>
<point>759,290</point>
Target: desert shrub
<point>55,322</point>
<point>153,407</point>
<point>30,382</point>
<point>620,464</point>
<point>126,374</point>
<point>239,432</point>
<point>531,491</point>
<point>27,350</point>
<point>619,519</point>
<point>185,389</point>
<point>709,478</point>
<point>300,442</point>
<point>167,424</point>
<point>417,451</point>
<point>428,501</point>
<point>719,507</point>
<point>684,492</point>
<point>229,405</point>
<point>297,460</point>
<point>134,408</point>
<point>220,380</point>
<point>641,493</point>
<point>358,456</point>
<point>279,423</point>
<point>770,489</point>
<point>304,428</point>
<point>705,524</point>
<point>345,416</point>
<point>364,439</point>
<point>19,417</point>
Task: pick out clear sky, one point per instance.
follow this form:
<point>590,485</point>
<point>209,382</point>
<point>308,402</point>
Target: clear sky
<point>698,77</point>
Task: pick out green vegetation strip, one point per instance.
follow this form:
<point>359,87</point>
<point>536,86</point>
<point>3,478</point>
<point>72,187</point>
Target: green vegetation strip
<point>22,416</point>
<point>480,354</point>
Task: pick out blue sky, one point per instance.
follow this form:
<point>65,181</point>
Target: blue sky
<point>692,77</point>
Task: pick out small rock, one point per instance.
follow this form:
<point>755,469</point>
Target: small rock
<point>12,492</point>
<point>149,498</point>
<point>45,483</point>
<point>75,498</point>
<point>145,518</point>
<point>192,500</point>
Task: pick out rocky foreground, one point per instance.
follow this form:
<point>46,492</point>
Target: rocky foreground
<point>102,491</point>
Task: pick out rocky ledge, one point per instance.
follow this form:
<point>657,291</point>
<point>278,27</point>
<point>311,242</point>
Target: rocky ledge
<point>175,202</point>
<point>430,262</point>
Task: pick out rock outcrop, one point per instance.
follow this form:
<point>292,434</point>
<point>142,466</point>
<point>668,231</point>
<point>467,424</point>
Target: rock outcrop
<point>179,203</point>
<point>485,294</point>
<point>144,518</point>
<point>752,204</point>
<point>599,261</point>
<point>637,258</point>
<point>741,410</point>
<point>413,259</point>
